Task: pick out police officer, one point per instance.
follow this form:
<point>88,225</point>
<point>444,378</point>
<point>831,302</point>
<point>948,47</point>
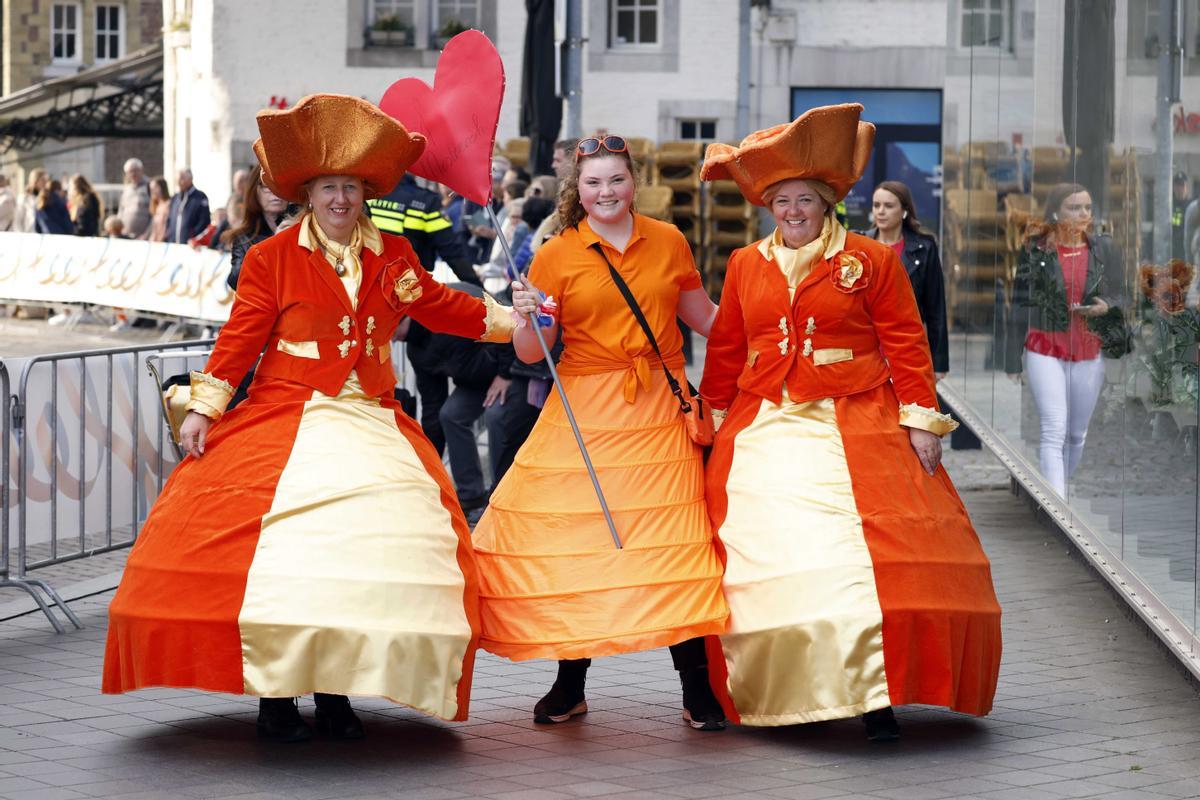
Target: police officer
<point>416,214</point>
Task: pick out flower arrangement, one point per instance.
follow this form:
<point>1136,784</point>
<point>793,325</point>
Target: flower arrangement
<point>1170,332</point>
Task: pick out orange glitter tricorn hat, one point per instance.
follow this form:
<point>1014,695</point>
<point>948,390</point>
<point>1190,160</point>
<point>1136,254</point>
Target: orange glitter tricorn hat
<point>333,134</point>
<point>828,144</point>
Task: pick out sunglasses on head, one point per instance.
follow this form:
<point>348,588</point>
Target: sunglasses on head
<point>592,145</point>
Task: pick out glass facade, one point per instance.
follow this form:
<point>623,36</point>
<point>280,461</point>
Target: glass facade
<point>1071,224</point>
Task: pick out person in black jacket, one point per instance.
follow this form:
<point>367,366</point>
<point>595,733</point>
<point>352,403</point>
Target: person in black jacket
<point>86,208</point>
<point>52,215</point>
<point>416,214</point>
<point>263,211</point>
<point>188,215</point>
<point>480,373</point>
<point>896,224</point>
<point>1065,314</point>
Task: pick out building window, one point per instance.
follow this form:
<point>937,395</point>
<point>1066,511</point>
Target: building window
<point>109,33</point>
<point>699,130</point>
<point>984,23</point>
<point>456,16</point>
<point>633,23</point>
<point>392,22</point>
<point>64,33</point>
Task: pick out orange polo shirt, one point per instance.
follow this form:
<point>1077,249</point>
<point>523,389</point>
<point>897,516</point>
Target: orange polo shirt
<point>600,333</point>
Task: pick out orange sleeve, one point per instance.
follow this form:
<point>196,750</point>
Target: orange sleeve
<point>685,264</point>
<point>893,309</point>
<point>445,310</point>
<point>726,345</point>
<point>241,341</point>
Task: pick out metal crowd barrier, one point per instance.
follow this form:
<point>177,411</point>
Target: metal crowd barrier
<point>16,419</point>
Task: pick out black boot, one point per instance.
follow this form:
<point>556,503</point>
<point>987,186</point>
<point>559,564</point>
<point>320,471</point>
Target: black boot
<point>881,725</point>
<point>279,720</point>
<point>335,718</point>
<point>565,698</point>
<point>700,706</point>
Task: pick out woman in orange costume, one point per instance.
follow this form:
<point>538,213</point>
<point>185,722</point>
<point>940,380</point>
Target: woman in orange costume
<point>552,582</point>
<point>312,542</point>
<point>854,578</point>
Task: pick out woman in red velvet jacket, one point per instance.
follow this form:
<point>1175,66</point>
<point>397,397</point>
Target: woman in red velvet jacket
<point>311,541</point>
<point>854,578</point>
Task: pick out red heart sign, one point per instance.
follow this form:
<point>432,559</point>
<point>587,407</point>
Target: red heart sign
<point>458,115</point>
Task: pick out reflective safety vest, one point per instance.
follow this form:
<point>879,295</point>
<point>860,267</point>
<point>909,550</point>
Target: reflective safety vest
<point>394,217</point>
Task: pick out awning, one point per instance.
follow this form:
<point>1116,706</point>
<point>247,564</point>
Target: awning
<point>121,99</point>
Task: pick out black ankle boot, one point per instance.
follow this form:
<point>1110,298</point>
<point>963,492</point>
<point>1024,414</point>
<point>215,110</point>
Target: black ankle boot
<point>881,725</point>
<point>700,706</point>
<point>336,719</point>
<point>565,698</point>
<point>279,720</point>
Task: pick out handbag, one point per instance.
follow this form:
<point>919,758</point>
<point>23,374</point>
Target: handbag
<point>696,417</point>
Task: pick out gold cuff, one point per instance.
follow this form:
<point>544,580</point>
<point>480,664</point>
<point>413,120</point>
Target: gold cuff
<point>499,324</point>
<point>210,395</point>
<point>915,416</point>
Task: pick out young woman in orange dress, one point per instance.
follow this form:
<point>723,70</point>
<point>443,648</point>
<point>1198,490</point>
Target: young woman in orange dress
<point>854,579</point>
<point>311,540</point>
<point>552,582</point>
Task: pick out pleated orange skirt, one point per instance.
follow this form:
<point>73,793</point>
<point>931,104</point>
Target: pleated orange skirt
<point>854,578</point>
<point>552,582</point>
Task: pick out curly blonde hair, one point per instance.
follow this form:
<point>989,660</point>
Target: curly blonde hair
<point>570,209</point>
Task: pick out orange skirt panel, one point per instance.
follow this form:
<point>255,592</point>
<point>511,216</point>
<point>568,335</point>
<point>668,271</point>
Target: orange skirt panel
<point>552,582</point>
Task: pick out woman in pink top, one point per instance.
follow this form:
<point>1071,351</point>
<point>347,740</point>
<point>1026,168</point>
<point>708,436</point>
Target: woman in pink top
<point>1065,312</point>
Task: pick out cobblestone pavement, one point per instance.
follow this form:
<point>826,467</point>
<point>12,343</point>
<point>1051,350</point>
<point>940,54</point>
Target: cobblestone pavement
<point>1088,707</point>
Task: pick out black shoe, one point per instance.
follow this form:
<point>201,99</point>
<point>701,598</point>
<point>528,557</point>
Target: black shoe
<point>881,725</point>
<point>565,698</point>
<point>336,719</point>
<point>700,707</point>
<point>279,720</point>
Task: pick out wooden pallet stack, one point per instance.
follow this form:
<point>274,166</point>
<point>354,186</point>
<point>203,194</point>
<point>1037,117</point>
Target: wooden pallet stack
<point>731,222</point>
<point>677,167</point>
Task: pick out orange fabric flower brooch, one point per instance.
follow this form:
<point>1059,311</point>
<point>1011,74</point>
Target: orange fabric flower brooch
<point>851,271</point>
<point>400,283</point>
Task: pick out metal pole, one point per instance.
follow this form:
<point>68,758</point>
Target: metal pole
<point>743,89</point>
<point>574,70</point>
<point>1168,33</point>
<point>562,395</point>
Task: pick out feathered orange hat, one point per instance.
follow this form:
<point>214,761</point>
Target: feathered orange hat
<point>828,144</point>
<point>333,134</point>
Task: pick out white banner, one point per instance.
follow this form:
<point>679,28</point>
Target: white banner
<point>171,279</point>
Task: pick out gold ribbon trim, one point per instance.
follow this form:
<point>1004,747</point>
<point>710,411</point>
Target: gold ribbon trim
<point>915,416</point>
<point>498,325</point>
<point>210,395</point>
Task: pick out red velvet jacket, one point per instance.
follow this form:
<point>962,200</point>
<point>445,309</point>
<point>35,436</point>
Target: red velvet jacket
<point>291,302</point>
<point>840,334</point>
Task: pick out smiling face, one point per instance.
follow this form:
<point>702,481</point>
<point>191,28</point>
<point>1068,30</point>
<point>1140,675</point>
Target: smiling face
<point>886,210</point>
<point>605,188</point>
<point>798,210</point>
<point>337,202</point>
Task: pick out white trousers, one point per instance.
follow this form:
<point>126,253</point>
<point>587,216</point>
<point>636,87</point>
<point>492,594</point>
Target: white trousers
<point>1065,393</point>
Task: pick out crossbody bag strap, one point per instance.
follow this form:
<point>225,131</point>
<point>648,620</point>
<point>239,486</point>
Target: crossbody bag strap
<point>632,302</point>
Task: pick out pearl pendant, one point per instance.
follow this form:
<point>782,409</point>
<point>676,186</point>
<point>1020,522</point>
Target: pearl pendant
<point>340,269</point>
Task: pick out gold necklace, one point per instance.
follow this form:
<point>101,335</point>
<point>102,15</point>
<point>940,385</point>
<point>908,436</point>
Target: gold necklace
<point>338,268</point>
